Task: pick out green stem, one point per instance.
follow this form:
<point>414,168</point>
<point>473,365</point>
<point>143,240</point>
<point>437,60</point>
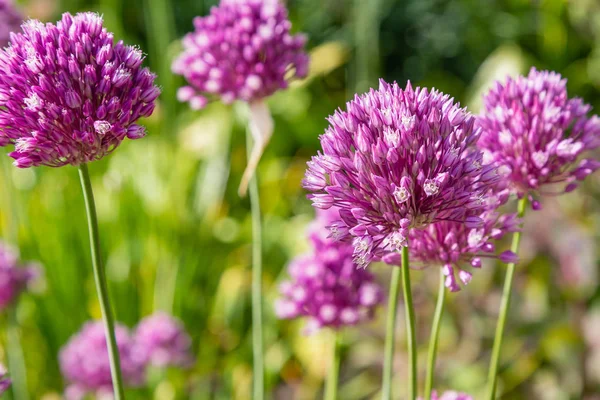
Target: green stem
<point>101,286</point>
<point>16,360</point>
<point>504,306</point>
<point>331,391</point>
<point>435,332</point>
<point>257,319</point>
<point>411,340</point>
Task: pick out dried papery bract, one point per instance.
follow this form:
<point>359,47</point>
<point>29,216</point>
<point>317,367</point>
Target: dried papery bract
<point>326,286</point>
<point>242,51</point>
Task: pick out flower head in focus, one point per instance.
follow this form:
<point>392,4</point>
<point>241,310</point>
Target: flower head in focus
<point>163,341</point>
<point>450,395</point>
<point>326,286</point>
<point>242,50</point>
<point>452,245</point>
<point>14,276</point>
<point>69,94</point>
<point>85,364</point>
<point>4,380</point>
<point>10,20</point>
<point>394,160</point>
<point>537,135</point>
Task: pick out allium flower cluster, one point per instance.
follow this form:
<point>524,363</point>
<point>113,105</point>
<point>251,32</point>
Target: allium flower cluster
<point>4,380</point>
<point>243,50</point>
<point>164,342</point>
<point>85,364</point>
<point>450,395</point>
<point>14,277</point>
<point>69,94</point>
<point>10,20</point>
<point>537,135</point>
<point>326,285</point>
<point>398,159</point>
<point>452,245</point>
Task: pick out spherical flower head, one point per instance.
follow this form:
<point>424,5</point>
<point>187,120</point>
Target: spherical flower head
<point>326,286</point>
<point>69,94</point>
<point>4,380</point>
<point>14,277</point>
<point>164,342</point>
<point>243,51</point>
<point>452,245</point>
<point>10,20</point>
<point>394,160</point>
<point>449,395</point>
<point>85,364</point>
<point>536,135</point>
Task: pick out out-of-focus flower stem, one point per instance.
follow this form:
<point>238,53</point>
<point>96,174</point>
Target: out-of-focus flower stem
<point>101,286</point>
<point>257,319</point>
<point>331,391</point>
<point>16,360</point>
<point>433,339</point>
<point>504,306</point>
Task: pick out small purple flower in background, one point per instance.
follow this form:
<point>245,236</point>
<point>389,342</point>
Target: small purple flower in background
<point>85,365</point>
<point>163,341</point>
<point>243,51</point>
<point>14,277</point>
<point>326,285</point>
<point>452,245</point>
<point>537,135</point>
<point>4,380</point>
<point>395,160</point>
<point>10,21</point>
<point>69,94</point>
<point>450,395</point>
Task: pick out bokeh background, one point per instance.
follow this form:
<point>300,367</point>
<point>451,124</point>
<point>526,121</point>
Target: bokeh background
<point>176,236</point>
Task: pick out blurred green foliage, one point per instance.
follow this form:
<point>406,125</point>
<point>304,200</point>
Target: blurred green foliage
<point>176,236</point>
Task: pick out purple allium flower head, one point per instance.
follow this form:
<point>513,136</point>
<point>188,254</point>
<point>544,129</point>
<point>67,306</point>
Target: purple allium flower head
<point>242,50</point>
<point>85,365</point>
<point>450,395</point>
<point>4,380</point>
<point>452,245</point>
<point>326,285</point>
<point>398,159</point>
<point>69,94</point>
<point>10,20</point>
<point>537,135</point>
<point>163,341</point>
<point>14,277</point>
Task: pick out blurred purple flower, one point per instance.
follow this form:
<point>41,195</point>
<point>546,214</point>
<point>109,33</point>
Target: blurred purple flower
<point>14,277</point>
<point>450,395</point>
<point>398,159</point>
<point>537,135</point>
<point>326,285</point>
<point>85,365</point>
<point>10,20</point>
<point>69,94</point>
<point>163,341</point>
<point>4,380</point>
<point>451,244</point>
<point>242,50</point>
